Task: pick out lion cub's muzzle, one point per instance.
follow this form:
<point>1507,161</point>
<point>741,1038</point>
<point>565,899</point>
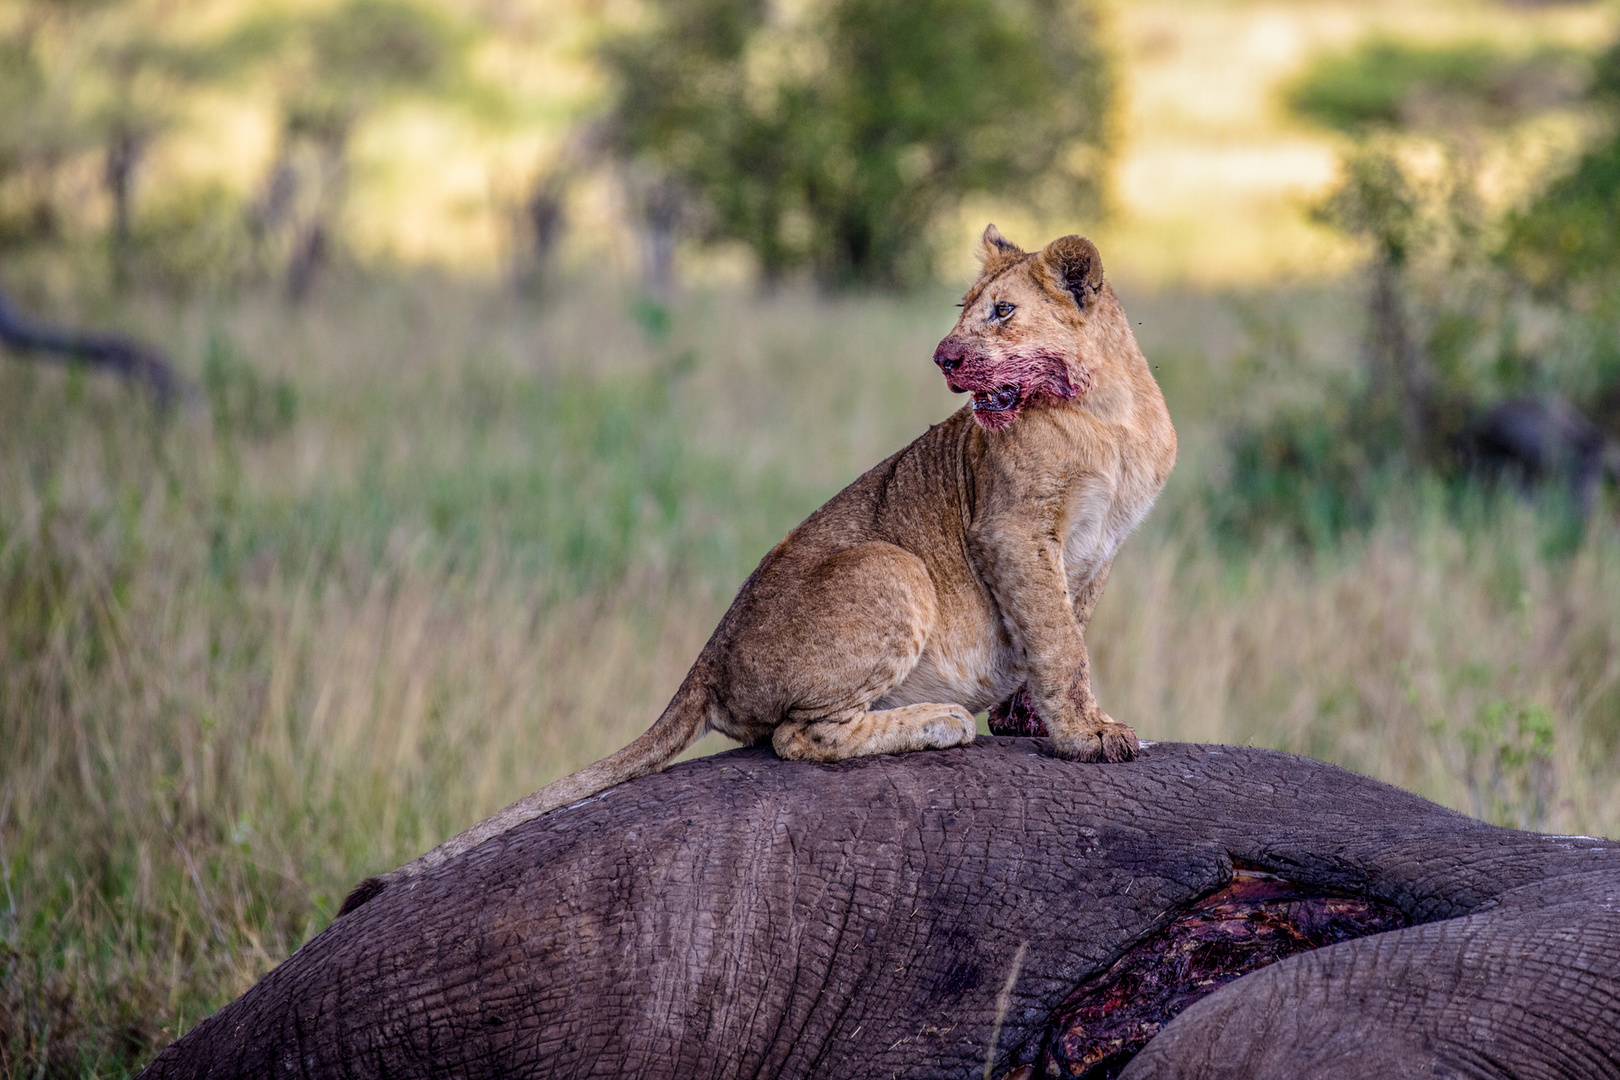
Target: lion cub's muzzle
<point>1002,386</point>
<point>950,354</point>
<point>970,371</point>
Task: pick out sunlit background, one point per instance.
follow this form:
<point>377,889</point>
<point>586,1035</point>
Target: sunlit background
<point>482,348</point>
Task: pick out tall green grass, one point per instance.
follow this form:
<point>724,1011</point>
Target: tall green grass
<point>422,546</point>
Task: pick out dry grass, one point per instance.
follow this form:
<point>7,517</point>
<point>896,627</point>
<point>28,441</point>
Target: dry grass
<point>1424,656</point>
<point>253,653</point>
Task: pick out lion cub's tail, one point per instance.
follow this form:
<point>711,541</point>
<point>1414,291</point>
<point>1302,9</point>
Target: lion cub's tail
<point>681,724</point>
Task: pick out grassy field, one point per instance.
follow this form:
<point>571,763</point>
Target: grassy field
<point>422,546</point>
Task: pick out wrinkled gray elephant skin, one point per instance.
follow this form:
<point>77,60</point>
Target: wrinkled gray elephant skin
<point>742,916</point>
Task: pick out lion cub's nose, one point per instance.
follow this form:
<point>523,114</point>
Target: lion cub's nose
<point>949,355</point>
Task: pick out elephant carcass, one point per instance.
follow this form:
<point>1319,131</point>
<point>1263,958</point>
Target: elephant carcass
<point>915,915</point>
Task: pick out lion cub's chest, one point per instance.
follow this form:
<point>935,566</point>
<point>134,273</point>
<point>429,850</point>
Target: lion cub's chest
<point>1102,512</point>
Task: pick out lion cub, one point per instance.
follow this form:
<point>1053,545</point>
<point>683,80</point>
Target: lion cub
<point>956,576</point>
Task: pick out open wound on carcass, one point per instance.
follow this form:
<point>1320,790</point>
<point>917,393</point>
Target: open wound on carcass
<point>1257,919</point>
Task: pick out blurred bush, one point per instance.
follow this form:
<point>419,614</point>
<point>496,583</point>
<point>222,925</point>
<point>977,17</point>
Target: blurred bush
<point>1452,384</point>
<point>1297,474</point>
<point>832,136</point>
<point>1386,83</point>
<point>1566,244</point>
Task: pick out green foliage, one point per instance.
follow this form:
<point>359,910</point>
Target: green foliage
<point>347,58</point>
<point>89,89</point>
<point>833,139</point>
<point>1392,84</point>
<point>1298,474</point>
<point>379,44</point>
<point>1570,236</point>
<point>78,79</point>
<point>652,317</point>
<point>42,127</point>
<point>1507,762</point>
<point>1566,244</point>
<point>187,236</point>
<point>240,400</point>
<point>1438,343</point>
<point>1379,199</point>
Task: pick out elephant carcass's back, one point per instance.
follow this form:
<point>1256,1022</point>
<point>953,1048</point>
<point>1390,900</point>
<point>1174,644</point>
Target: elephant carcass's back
<point>745,916</point>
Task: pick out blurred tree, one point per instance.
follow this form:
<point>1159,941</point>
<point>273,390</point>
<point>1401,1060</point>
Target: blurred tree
<point>89,88</point>
<point>1566,243</point>
<point>1421,117</point>
<point>82,77</point>
<point>1568,240</point>
<point>1378,201</point>
<point>1449,385</point>
<point>329,70</point>
<point>42,121</point>
<point>543,219</point>
<point>1386,84</point>
<point>833,135</point>
<point>140,78</point>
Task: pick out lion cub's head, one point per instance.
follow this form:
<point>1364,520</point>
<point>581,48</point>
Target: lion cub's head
<point>1016,344</point>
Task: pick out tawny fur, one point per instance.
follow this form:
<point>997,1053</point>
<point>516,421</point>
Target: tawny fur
<point>954,576</point>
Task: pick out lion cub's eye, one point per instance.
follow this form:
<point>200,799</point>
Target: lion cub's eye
<point>1002,309</point>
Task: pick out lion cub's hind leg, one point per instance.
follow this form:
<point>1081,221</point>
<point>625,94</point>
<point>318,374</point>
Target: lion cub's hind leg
<point>829,637</point>
<point>858,733</point>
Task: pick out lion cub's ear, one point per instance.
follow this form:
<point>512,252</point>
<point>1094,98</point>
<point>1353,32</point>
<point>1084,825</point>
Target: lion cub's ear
<point>996,251</point>
<point>1075,267</point>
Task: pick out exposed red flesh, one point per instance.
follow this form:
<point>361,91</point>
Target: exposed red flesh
<point>1256,920</point>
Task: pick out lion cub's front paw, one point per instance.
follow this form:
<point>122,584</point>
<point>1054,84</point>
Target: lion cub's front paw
<point>1102,740</point>
<point>956,727</point>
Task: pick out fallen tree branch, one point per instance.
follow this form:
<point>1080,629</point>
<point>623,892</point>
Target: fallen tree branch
<point>124,356</point>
